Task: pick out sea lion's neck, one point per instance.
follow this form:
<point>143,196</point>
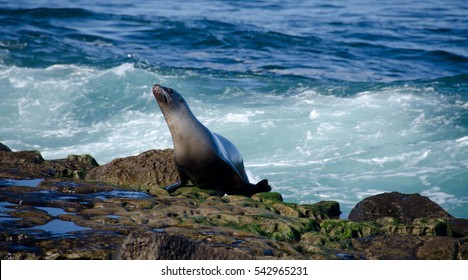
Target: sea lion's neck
<point>179,118</point>
<point>186,130</point>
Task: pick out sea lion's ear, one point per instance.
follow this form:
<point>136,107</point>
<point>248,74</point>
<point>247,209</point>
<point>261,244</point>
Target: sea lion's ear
<point>263,186</point>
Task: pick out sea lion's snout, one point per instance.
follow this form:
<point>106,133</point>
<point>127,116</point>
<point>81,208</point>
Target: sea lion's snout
<point>162,93</point>
<point>157,90</point>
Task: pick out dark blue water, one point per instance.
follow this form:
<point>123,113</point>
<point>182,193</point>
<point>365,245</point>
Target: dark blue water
<point>327,99</point>
<point>345,40</point>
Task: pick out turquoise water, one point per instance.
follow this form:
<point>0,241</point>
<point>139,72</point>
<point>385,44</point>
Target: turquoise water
<point>333,100</point>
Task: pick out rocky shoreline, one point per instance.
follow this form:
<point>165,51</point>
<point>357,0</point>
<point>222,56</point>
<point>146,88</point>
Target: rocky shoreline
<point>75,209</point>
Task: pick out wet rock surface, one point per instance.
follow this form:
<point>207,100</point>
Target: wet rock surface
<point>121,212</point>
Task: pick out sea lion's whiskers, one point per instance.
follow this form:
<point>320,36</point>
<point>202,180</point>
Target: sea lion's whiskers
<point>162,94</point>
<point>166,96</point>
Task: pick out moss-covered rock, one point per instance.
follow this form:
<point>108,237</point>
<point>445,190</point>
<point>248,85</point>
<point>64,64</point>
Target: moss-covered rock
<point>315,238</point>
<point>195,193</point>
<point>343,229</point>
<point>271,226</point>
<point>287,209</point>
<point>286,229</point>
<point>420,227</point>
<point>86,159</point>
<point>321,210</point>
<point>268,197</point>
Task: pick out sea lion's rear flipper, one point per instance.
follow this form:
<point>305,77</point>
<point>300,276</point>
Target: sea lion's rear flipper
<point>263,186</point>
<point>248,189</point>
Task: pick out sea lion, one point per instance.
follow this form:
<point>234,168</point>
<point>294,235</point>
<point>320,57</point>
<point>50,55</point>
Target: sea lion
<point>207,159</point>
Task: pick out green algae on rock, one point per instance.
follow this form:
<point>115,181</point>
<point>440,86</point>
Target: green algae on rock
<point>341,229</point>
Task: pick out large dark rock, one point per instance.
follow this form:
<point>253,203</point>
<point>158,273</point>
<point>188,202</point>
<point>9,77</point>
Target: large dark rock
<point>4,148</point>
<point>150,169</point>
<point>404,207</point>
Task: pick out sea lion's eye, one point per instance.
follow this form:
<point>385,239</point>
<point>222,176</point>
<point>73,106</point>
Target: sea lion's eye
<point>181,99</point>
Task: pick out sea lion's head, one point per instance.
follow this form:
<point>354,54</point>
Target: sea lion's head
<point>168,99</point>
<point>166,96</point>
<point>172,104</point>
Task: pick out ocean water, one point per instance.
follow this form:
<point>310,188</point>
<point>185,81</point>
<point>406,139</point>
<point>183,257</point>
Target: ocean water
<point>329,100</point>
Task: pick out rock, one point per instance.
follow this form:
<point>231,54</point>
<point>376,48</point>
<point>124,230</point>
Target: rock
<point>286,209</point>
<point>74,166</point>
<point>318,211</point>
<point>392,247</point>
<point>149,170</point>
<point>31,164</point>
<point>458,227</point>
<point>321,210</point>
<point>160,246</point>
<point>274,226</point>
<point>463,251</point>
<point>280,228</point>
<point>438,248</point>
<point>87,160</point>
<point>90,245</point>
<point>237,241</point>
<point>29,216</point>
<point>388,247</point>
<point>404,207</point>
<point>21,157</point>
<point>22,164</point>
<point>4,148</point>
<point>315,238</point>
<point>342,229</point>
<point>268,197</point>
<point>196,193</point>
<point>419,227</point>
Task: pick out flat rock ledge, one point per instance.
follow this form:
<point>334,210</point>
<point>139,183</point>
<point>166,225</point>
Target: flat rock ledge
<point>75,209</point>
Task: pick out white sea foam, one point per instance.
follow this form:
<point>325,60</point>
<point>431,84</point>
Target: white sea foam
<point>313,115</point>
<point>408,159</point>
<point>241,117</point>
<point>441,197</point>
<point>370,192</point>
<point>123,69</point>
<point>237,118</point>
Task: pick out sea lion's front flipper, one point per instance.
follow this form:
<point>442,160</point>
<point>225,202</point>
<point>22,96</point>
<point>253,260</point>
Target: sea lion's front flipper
<point>172,188</point>
<point>180,184</point>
